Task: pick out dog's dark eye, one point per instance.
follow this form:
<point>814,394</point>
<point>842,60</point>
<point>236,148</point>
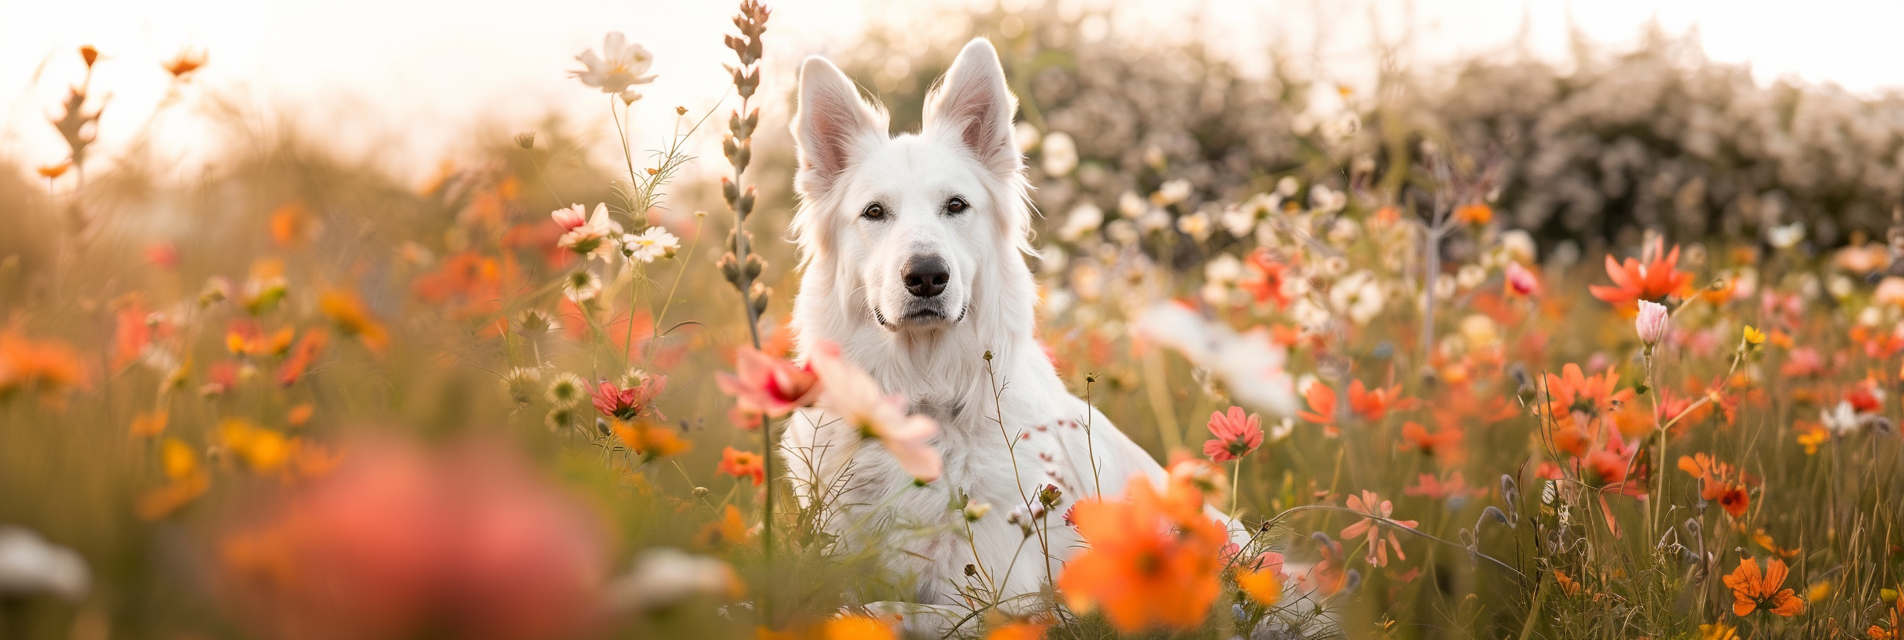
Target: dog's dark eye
<point>874,211</point>
<point>956,205</point>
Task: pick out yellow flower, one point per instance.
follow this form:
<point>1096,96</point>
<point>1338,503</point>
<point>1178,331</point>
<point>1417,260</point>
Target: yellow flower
<point>262,449</point>
<point>1810,435</point>
<point>1818,591</point>
<point>1754,336</point>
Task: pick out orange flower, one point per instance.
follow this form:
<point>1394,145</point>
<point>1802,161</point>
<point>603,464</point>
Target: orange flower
<point>1474,213</point>
<point>650,440</point>
<point>50,366</point>
<point>1653,280</point>
<point>51,171</point>
<point>347,310</point>
<point>187,61</point>
<point>857,628</point>
<point>1418,438</point>
<point>1153,559</point>
<point>1752,591</point>
<point>149,424</point>
<point>743,464</point>
<point>1265,586</point>
<point>1896,618</point>
<point>290,224</point>
<point>1567,585</point>
<point>1017,631</point>
<point>1267,286</point>
<point>1572,391</point>
<point>302,357</point>
<point>1364,404</point>
<point>730,529</point>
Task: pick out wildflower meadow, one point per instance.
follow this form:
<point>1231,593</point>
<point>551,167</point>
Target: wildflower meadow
<point>1611,349</point>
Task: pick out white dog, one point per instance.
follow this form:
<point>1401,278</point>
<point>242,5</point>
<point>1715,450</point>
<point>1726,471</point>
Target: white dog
<point>914,251</point>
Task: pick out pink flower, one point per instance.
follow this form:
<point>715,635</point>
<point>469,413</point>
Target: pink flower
<point>626,404</point>
<point>1235,436</point>
<point>1521,281</point>
<point>1651,322</point>
<point>1375,507</point>
<point>571,217</point>
<point>767,385</point>
<point>591,238</point>
<point>855,398</point>
<point>400,542</point>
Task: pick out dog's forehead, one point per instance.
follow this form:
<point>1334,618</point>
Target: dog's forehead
<point>910,165</point>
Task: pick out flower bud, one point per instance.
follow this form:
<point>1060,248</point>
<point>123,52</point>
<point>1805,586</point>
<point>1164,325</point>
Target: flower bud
<point>1651,322</point>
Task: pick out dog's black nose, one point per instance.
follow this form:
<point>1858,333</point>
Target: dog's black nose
<point>926,277</point>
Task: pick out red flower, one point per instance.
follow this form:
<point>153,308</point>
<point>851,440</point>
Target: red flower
<point>1653,280</point>
<point>626,404</point>
<point>1235,436</point>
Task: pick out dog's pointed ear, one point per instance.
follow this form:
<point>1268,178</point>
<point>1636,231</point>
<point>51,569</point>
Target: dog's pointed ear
<point>833,124</point>
<point>973,106</point>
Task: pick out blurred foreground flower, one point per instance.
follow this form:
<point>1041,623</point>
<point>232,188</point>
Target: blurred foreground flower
<point>857,399</point>
<point>1249,364</point>
<point>620,64</point>
<point>663,577</point>
<point>1153,558</point>
<point>31,566</point>
<point>49,366</point>
<point>400,542</point>
<point>768,385</point>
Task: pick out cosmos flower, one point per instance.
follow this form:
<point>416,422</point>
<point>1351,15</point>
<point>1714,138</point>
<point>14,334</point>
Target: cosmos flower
<point>651,243</point>
<point>1652,280</point>
<point>621,63</point>
<point>745,465</point>
<point>1753,591</point>
<point>632,402</point>
<point>1235,436</point>
<point>856,398</point>
<point>589,239</point>
<point>1375,507</point>
<point>1153,558</point>
<point>768,385</point>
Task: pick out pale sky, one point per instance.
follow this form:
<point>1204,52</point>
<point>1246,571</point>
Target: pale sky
<point>404,82</point>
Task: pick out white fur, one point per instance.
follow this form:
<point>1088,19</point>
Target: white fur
<point>851,279</point>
